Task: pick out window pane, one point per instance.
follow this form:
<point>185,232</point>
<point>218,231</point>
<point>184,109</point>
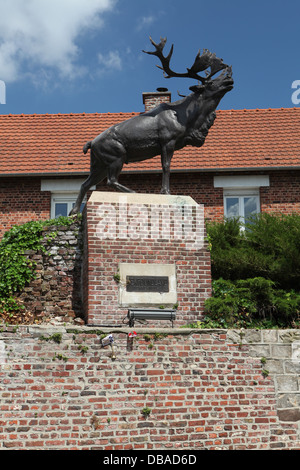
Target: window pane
<point>61,209</point>
<point>232,207</point>
<point>81,206</point>
<point>250,206</point>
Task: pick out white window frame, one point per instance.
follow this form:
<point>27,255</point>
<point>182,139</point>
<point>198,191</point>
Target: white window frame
<point>240,194</point>
<point>63,191</point>
<point>62,198</point>
<point>241,186</point>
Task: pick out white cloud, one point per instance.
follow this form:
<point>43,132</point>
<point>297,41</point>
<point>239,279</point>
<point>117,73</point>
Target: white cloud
<point>43,33</point>
<point>111,61</point>
<point>145,21</point>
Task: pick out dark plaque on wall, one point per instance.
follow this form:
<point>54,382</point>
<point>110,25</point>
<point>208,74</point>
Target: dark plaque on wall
<point>147,283</point>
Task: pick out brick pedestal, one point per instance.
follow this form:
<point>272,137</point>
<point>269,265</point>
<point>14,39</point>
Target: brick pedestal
<point>132,237</point>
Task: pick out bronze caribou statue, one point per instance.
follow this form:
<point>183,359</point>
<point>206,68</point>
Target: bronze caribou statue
<point>164,129</point>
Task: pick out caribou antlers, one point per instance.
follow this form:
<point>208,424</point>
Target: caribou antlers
<point>202,63</point>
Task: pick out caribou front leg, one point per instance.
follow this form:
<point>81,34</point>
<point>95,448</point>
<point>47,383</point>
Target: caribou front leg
<point>95,177</point>
<point>166,157</point>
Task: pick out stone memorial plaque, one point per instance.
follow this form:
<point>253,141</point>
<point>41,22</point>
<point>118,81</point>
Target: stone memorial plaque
<point>147,283</point>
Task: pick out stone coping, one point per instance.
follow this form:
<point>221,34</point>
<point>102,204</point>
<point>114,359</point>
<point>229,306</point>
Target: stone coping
<point>141,198</point>
<point>238,335</point>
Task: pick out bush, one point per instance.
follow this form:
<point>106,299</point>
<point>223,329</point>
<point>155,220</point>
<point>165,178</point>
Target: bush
<point>255,271</point>
<point>269,247</point>
<point>251,303</point>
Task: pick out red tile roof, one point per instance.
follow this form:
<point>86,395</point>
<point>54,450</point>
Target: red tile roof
<point>51,144</point>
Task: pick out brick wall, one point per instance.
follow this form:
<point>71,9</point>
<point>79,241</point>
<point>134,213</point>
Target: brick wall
<point>283,194</point>
<point>199,186</point>
<point>21,199</point>
<point>103,254</point>
<point>153,99</point>
<point>203,389</point>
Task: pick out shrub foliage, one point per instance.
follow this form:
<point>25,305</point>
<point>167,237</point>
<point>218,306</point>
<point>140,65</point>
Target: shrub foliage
<point>256,272</point>
<point>251,303</point>
<point>269,247</point>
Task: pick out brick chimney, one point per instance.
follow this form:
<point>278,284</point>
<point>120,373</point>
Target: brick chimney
<point>154,98</point>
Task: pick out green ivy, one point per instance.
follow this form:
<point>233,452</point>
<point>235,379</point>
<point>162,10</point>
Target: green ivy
<point>17,270</point>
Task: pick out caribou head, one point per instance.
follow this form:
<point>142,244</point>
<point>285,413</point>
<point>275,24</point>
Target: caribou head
<point>207,60</point>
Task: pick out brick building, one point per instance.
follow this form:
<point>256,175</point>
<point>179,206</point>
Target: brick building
<point>250,162</point>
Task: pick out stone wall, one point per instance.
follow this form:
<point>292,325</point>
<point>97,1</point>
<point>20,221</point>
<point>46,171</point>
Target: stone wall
<point>55,293</point>
<point>164,389</point>
<point>168,389</point>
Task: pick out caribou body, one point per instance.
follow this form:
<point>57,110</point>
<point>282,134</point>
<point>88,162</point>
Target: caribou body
<point>161,131</point>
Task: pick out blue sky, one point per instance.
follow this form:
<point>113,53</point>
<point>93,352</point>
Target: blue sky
<point>74,56</point>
